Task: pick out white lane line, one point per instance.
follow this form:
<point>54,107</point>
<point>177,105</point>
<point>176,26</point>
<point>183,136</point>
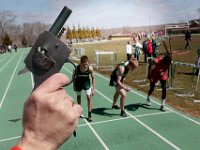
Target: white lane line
<point>147,127</point>
<point>182,115</point>
<point>124,118</point>
<point>157,134</point>
<point>101,122</point>
<point>8,86</point>
<point>3,58</point>
<point>137,116</point>
<point>5,65</point>
<point>150,129</point>
<point>153,114</point>
<point>192,120</point>
<point>96,134</point>
<point>8,139</point>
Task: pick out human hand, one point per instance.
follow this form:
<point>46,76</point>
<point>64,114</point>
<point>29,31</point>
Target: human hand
<point>148,76</point>
<point>93,91</point>
<point>127,89</point>
<point>50,115</point>
<point>124,80</point>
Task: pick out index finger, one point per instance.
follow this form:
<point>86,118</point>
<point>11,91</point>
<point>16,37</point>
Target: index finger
<point>53,83</point>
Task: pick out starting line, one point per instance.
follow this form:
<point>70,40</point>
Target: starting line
<point>100,122</point>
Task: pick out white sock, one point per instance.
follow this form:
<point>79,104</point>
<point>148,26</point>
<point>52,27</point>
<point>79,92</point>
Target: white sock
<point>163,102</point>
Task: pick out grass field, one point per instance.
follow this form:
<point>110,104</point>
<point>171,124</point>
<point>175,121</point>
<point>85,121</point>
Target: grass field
<point>145,128</point>
<point>183,78</point>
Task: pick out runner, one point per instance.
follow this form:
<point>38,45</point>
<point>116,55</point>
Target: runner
<point>82,82</point>
<point>117,78</point>
<point>158,71</point>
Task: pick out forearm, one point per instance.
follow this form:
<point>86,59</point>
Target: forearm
<point>121,85</point>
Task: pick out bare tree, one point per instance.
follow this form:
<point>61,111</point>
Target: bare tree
<point>32,30</point>
<point>27,32</point>
<point>39,27</point>
<point>7,19</point>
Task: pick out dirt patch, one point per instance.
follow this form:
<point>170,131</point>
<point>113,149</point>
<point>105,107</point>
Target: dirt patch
<point>180,52</point>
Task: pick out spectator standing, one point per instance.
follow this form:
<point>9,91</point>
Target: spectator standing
<point>9,49</point>
<point>129,50</point>
<point>149,47</point>
<point>137,46</point>
<point>188,39</point>
<point>154,47</point>
<point>144,48</point>
<point>15,47</point>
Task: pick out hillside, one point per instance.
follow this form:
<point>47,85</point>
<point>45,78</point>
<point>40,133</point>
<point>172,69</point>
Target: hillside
<point>130,30</point>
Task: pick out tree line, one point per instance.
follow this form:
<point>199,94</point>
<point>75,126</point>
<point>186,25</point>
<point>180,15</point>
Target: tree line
<point>26,34</point>
<point>78,34</point>
<point>21,34</point>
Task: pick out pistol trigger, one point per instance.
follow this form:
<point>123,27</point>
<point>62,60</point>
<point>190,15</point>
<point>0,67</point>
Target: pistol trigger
<point>23,70</point>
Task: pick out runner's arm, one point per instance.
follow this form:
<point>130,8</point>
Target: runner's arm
<point>93,80</point>
<point>119,77</point>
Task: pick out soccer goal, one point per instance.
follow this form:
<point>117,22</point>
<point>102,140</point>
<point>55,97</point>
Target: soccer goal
<point>79,52</point>
<point>192,91</point>
<point>105,60</point>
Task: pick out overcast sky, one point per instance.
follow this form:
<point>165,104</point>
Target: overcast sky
<point>105,13</point>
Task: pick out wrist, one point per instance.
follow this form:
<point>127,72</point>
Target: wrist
<point>16,148</point>
<point>29,143</point>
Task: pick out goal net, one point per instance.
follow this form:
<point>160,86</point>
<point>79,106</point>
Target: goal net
<point>105,59</point>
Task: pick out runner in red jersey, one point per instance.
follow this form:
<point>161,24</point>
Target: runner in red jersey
<point>158,71</point>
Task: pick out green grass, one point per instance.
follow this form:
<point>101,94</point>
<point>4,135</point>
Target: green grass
<point>182,79</point>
